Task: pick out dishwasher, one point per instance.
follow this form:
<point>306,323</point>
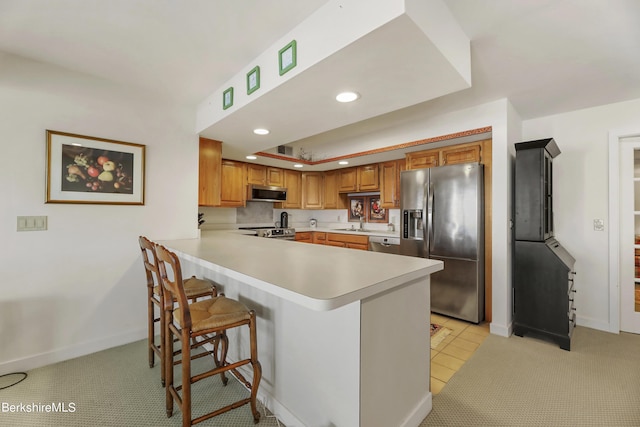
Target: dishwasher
<point>388,245</point>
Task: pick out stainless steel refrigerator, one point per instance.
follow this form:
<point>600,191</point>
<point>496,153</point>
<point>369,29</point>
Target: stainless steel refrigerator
<point>442,217</point>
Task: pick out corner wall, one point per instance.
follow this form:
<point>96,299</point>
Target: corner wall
<point>79,286</point>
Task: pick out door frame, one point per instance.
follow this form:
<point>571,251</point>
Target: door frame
<point>615,137</point>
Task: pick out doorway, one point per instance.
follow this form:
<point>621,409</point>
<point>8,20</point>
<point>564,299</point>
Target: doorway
<point>625,242</point>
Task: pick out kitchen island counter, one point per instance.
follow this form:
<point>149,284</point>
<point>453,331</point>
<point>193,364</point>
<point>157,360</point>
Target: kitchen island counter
<point>315,276</point>
<point>343,334</point>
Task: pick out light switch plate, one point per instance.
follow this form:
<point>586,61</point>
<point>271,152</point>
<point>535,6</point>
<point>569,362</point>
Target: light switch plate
<point>32,223</point>
<point>598,225</point>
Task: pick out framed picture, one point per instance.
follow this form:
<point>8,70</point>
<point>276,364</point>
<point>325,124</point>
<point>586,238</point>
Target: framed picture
<point>85,169</point>
<point>253,80</point>
<point>287,57</point>
<point>227,98</point>
<point>375,211</point>
<point>357,208</point>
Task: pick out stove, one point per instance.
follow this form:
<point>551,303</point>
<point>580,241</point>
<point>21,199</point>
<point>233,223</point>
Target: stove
<point>273,232</point>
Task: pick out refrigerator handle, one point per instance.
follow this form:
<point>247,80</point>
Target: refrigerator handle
<point>429,210</point>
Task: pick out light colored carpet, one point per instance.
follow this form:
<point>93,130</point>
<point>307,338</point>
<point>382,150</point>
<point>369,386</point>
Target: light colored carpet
<point>116,387</point>
<point>524,381</point>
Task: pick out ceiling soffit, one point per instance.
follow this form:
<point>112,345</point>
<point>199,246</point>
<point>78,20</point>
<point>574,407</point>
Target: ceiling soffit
<point>400,54</point>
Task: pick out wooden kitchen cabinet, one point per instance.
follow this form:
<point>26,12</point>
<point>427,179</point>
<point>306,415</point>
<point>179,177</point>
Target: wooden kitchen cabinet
<point>209,172</point>
<point>275,177</point>
<point>368,178</point>
<point>312,190</point>
<point>423,159</point>
<point>348,180</point>
<point>390,183</point>
<point>332,198</point>
<point>293,183</point>
<point>264,175</point>
<point>319,237</point>
<point>232,191</point>
<point>256,174</point>
<point>348,241</point>
<point>461,153</point>
<point>464,153</point>
<point>361,178</point>
<point>304,237</point>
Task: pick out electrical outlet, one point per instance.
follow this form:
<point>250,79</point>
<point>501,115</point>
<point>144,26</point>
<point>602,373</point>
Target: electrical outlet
<point>338,218</point>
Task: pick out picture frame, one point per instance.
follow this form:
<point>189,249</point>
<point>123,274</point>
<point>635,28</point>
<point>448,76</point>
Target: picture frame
<point>253,80</point>
<point>357,208</point>
<point>89,170</point>
<point>375,212</point>
<point>227,98</point>
<point>288,57</point>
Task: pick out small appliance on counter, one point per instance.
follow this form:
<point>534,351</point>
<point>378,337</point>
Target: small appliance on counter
<point>273,233</point>
<point>284,220</point>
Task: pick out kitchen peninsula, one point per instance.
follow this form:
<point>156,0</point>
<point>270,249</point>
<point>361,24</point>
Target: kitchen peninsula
<point>343,335</point>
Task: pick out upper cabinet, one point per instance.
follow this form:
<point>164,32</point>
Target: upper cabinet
<point>209,172</point>
<point>369,178</point>
<point>462,153</point>
<point>232,193</point>
<point>264,175</point>
<point>293,183</point>
<point>332,198</point>
<point>361,178</point>
<point>390,183</point>
<point>312,190</point>
<point>275,177</point>
<point>223,182</point>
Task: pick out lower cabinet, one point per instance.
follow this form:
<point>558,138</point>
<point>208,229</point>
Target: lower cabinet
<point>334,239</point>
<point>348,241</point>
<point>319,237</point>
<point>304,237</point>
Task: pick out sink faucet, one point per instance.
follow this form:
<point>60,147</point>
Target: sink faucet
<point>361,223</point>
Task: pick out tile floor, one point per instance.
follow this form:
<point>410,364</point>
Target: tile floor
<point>455,349</point>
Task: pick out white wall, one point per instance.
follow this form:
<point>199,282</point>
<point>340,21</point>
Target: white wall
<point>581,174</point>
<point>79,286</point>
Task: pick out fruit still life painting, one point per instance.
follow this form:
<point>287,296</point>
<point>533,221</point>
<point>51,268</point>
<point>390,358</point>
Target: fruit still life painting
<point>87,169</point>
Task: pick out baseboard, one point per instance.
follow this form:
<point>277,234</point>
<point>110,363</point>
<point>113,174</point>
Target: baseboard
<point>501,330</point>
<point>417,416</point>
<point>71,352</point>
<point>588,322</point>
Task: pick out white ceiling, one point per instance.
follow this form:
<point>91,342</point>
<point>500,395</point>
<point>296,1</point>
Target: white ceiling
<point>545,56</point>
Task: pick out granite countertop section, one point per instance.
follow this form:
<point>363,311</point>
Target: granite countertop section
<point>318,277</point>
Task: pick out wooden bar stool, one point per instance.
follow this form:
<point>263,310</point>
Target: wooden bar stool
<point>194,289</point>
<point>201,319</point>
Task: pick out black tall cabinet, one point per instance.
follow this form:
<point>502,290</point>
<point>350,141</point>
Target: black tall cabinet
<point>543,270</point>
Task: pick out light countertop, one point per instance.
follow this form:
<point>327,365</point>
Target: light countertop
<point>318,277</point>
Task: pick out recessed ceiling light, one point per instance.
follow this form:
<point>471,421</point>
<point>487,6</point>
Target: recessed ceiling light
<point>297,165</point>
<point>343,162</point>
<point>251,157</point>
<point>261,131</point>
<point>347,96</point>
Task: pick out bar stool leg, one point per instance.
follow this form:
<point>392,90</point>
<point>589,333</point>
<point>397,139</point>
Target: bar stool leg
<point>167,348</point>
<point>257,368</point>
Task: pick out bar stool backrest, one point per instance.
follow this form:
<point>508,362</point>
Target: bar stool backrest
<point>171,280</point>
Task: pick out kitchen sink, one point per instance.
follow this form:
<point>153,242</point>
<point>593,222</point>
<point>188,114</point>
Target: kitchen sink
<point>364,230</point>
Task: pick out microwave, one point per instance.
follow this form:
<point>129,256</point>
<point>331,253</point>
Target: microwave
<point>261,193</point>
